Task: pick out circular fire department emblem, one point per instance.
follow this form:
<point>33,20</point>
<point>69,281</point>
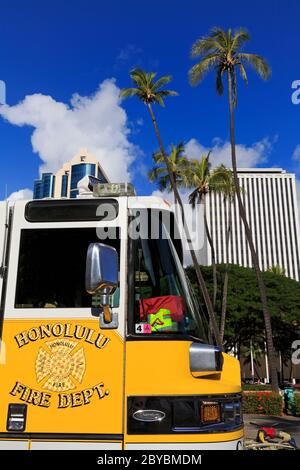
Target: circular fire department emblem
<point>60,366</point>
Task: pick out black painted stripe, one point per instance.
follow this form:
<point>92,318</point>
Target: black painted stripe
<point>61,437</point>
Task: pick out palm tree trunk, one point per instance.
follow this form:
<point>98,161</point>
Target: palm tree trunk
<point>256,370</point>
<point>199,275</point>
<point>226,276</point>
<point>260,282</point>
<point>177,215</point>
<point>213,255</point>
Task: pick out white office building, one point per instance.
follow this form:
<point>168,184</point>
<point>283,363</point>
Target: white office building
<point>271,206</point>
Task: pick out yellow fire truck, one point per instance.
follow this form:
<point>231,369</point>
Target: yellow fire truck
<point>103,344</point>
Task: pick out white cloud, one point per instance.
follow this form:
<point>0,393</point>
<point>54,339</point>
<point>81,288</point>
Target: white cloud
<point>127,54</point>
<point>19,195</point>
<point>296,153</point>
<point>247,156</point>
<point>95,122</point>
<point>296,156</point>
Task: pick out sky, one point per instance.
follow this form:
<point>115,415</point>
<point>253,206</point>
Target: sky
<point>64,61</point>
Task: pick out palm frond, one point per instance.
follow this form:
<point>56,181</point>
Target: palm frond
<point>155,173</point>
<point>164,183</point>
<point>193,197</point>
<point>158,98</point>
<point>243,73</point>
<point>165,93</point>
<point>127,92</point>
<point>199,70</point>
<point>239,38</point>
<point>161,82</point>
<point>158,157</point>
<point>206,45</point>
<point>258,63</point>
<point>177,163</point>
<point>150,76</point>
<point>177,152</point>
<point>139,77</point>
<point>219,35</point>
<point>221,181</point>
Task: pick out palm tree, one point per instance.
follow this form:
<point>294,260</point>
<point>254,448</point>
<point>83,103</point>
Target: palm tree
<point>159,173</point>
<point>253,357</point>
<point>177,163</point>
<point>218,180</point>
<point>228,192</point>
<point>199,177</point>
<point>150,92</point>
<point>221,51</point>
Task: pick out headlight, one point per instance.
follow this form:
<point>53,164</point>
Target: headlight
<point>210,412</point>
<point>232,412</point>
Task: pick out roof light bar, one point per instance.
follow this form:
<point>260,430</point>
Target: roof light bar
<point>91,184</point>
<point>114,189</point>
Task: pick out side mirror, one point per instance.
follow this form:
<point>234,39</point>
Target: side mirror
<point>205,359</point>
<point>101,275</point>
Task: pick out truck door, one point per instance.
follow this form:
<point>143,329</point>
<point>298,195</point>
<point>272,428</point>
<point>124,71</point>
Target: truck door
<point>63,374</point>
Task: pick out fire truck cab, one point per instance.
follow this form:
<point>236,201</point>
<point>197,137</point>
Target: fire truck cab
<point>103,343</point>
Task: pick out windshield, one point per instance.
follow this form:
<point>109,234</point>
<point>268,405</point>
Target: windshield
<point>164,303</point>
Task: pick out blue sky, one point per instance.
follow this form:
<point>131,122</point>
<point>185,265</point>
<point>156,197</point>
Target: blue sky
<point>57,48</point>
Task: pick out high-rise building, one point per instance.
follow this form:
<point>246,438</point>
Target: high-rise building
<point>44,187</point>
<point>64,182</point>
<point>270,201</point>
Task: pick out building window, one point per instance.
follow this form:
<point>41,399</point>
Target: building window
<point>64,186</point>
<point>48,181</point>
<point>44,187</point>
<point>78,172</point>
<point>38,189</point>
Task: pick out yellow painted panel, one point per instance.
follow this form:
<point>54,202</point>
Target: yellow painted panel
<point>162,368</point>
<point>69,372</point>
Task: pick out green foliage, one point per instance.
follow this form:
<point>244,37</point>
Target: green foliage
<point>178,163</point>
<point>198,174</point>
<point>276,270</point>
<point>221,51</point>
<point>146,88</point>
<point>191,173</point>
<point>244,318</point>
<point>268,403</point>
<point>297,404</point>
<point>256,387</point>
